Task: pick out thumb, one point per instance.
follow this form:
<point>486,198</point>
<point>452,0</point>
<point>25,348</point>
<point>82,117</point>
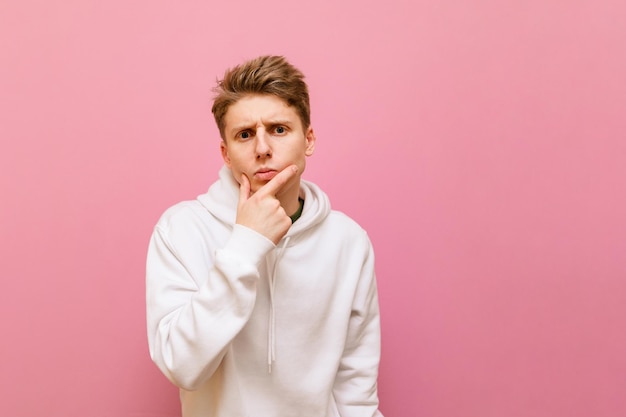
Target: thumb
<point>244,189</point>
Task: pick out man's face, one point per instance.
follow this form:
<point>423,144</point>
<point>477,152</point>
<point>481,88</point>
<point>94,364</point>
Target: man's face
<point>263,136</point>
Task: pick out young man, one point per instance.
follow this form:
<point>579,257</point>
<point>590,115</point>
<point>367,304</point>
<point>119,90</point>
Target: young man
<point>261,300</point>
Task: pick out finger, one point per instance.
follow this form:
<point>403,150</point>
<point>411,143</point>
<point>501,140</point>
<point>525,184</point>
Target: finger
<point>276,183</point>
<point>244,188</point>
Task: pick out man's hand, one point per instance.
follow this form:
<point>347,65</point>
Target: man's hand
<point>262,211</point>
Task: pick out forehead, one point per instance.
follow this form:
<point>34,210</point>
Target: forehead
<point>255,109</point>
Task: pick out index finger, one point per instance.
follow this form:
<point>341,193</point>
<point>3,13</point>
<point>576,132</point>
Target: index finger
<point>276,183</point>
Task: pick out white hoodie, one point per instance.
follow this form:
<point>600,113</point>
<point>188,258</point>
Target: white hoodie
<point>247,328</point>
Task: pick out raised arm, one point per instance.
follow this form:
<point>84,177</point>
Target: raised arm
<point>196,302</point>
<point>195,311</point>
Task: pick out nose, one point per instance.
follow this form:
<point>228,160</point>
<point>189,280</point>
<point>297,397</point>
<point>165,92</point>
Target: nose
<point>263,149</point>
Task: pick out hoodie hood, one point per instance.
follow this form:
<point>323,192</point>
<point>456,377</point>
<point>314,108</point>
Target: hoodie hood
<point>222,198</point>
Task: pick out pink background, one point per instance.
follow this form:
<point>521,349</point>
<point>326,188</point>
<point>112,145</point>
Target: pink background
<point>481,143</point>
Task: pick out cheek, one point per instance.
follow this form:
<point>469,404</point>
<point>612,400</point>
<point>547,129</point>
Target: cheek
<point>231,160</point>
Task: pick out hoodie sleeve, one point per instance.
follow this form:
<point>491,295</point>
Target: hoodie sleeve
<point>194,308</point>
<point>355,388</point>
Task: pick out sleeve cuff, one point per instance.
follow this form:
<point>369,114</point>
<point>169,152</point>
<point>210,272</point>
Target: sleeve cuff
<point>247,246</point>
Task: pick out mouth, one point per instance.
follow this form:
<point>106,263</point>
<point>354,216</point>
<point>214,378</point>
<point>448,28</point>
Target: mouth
<point>265,174</point>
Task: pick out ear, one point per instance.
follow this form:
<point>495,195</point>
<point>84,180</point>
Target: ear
<point>224,150</point>
<point>310,141</point>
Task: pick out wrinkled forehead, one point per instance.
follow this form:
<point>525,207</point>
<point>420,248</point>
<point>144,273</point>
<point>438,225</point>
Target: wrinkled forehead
<point>258,110</point>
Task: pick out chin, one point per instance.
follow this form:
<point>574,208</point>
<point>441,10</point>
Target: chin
<point>254,187</point>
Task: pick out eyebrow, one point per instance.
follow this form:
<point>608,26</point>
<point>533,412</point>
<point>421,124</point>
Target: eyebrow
<point>250,126</point>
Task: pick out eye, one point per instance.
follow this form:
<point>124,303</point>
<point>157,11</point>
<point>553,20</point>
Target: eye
<point>244,135</point>
<point>280,130</point>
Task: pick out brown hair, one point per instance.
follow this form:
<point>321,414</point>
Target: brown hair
<point>263,75</point>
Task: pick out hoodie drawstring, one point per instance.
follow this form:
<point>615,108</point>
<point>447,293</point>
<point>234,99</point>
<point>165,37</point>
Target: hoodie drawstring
<point>271,329</point>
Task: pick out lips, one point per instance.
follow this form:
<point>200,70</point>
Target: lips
<point>265,174</point>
